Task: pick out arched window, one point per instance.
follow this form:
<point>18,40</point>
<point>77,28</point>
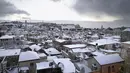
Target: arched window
<point>113,69</point>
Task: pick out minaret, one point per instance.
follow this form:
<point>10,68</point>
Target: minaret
<point>102,27</point>
<point>25,24</point>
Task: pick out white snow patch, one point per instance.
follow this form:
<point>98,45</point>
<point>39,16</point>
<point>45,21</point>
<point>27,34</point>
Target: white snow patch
<point>108,59</point>
<point>68,65</point>
<point>52,51</point>
<point>60,40</point>
<point>80,50</point>
<point>104,42</point>
<point>10,52</point>
<point>29,55</point>
<point>7,37</point>
<point>35,47</point>
<point>75,46</point>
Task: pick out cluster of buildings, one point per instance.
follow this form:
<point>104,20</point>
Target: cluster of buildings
<point>67,48</point>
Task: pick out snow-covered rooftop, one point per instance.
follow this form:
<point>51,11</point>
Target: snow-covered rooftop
<point>68,66</point>
<point>80,50</point>
<point>104,42</point>
<point>97,53</point>
<point>9,52</point>
<point>42,54</point>
<point>108,59</point>
<point>75,46</point>
<point>7,37</point>
<point>116,37</point>
<point>127,42</point>
<point>28,55</point>
<point>127,29</point>
<point>60,40</point>
<point>35,47</point>
<point>95,36</point>
<point>50,58</point>
<point>49,41</point>
<point>52,51</point>
<point>110,51</point>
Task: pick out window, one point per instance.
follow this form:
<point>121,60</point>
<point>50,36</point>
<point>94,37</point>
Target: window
<point>113,69</point>
<point>94,67</point>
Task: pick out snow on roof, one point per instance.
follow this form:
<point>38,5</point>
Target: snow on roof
<point>80,50</point>
<point>9,52</point>
<point>28,55</point>
<point>75,46</point>
<point>35,47</point>
<point>42,55</point>
<point>68,65</point>
<point>127,42</point>
<point>127,29</point>
<point>95,36</point>
<point>112,37</point>
<point>49,41</point>
<point>112,51</point>
<point>7,37</point>
<point>60,40</point>
<point>116,37</point>
<point>43,65</point>
<point>52,51</point>
<point>108,59</point>
<point>89,32</point>
<point>97,53</point>
<point>50,58</point>
<point>104,42</point>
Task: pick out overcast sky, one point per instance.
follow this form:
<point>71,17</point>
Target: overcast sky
<point>76,10</point>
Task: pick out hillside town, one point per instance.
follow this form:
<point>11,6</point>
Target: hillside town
<point>42,47</point>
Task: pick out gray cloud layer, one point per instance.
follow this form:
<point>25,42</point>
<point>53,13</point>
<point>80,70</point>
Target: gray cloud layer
<point>109,7</point>
<point>7,8</point>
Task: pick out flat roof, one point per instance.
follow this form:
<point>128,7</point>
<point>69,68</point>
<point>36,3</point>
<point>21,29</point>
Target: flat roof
<point>127,42</point>
<point>7,37</point>
<point>52,51</point>
<point>9,52</point>
<point>60,40</point>
<point>75,46</point>
<point>42,55</point>
<point>80,50</point>
<point>97,53</point>
<point>104,42</point>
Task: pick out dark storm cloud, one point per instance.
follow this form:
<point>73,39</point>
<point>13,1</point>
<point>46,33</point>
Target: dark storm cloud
<point>7,8</point>
<point>109,7</point>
